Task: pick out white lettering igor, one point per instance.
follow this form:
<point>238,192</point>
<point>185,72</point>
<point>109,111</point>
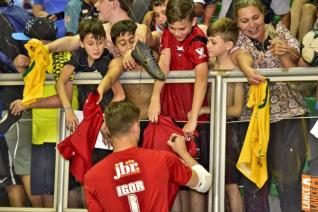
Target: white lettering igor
<point>130,188</point>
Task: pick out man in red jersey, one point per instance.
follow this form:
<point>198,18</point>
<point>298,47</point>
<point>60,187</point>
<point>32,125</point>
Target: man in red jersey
<point>135,179</point>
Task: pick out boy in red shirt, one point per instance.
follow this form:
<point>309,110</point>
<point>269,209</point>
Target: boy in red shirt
<point>183,47</point>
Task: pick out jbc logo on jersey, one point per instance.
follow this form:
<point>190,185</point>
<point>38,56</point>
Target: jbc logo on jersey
<point>126,168</point>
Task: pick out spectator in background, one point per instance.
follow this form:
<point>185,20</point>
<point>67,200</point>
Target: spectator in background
<point>18,138</point>
<point>25,4</point>
<point>52,9</point>
<point>138,10</point>
<point>205,9</point>
<point>76,11</point>
<point>303,17</point>
<point>156,18</point>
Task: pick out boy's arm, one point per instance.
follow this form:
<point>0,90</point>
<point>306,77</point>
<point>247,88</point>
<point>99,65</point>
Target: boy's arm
<point>119,93</point>
<point>200,85</point>
<point>115,69</point>
<point>164,64</point>
<point>148,18</point>
<point>245,62</point>
<point>68,43</point>
<point>71,119</point>
<point>143,33</point>
<point>38,10</point>
<point>235,110</point>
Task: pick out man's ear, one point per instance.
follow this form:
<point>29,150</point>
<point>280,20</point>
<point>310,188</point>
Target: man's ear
<point>115,4</point>
<point>136,128</point>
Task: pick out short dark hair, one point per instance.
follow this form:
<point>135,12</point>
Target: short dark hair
<point>156,3</point>
<point>178,10</point>
<point>120,117</point>
<point>122,27</point>
<point>226,28</point>
<point>91,25</point>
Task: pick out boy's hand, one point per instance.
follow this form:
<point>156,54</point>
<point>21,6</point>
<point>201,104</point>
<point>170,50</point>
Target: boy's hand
<point>189,127</point>
<point>141,33</point>
<point>101,94</point>
<point>154,110</point>
<point>17,107</point>
<point>71,119</point>
<point>177,143</point>
<point>128,61</point>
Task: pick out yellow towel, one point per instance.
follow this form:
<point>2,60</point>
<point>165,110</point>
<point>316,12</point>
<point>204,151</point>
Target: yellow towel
<point>253,160</point>
<point>34,76</point>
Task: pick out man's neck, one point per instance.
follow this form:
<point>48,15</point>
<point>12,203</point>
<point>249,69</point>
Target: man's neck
<point>124,142</point>
<point>120,15</point>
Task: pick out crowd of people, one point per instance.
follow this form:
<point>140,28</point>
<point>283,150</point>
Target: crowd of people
<point>101,36</point>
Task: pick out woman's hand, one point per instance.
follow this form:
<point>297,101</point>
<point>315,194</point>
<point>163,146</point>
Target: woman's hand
<point>279,47</point>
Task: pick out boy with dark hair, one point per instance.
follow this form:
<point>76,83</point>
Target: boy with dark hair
<point>123,37</point>
<point>222,36</point>
<point>143,186</point>
<point>91,57</point>
<point>183,47</point>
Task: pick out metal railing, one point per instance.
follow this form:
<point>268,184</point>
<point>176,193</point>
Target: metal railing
<point>218,81</point>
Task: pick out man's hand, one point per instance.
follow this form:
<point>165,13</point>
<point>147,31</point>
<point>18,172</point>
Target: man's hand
<point>21,61</point>
<point>154,110</point>
<point>177,144</point>
<point>128,61</point>
<point>71,119</point>
<point>17,107</point>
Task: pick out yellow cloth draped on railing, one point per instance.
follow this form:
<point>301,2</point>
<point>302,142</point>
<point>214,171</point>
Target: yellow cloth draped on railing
<point>253,159</point>
<point>34,76</point>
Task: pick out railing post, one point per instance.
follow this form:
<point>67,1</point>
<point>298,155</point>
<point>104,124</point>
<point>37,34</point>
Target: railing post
<point>59,176</point>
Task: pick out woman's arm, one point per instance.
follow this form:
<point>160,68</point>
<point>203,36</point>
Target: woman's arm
<point>245,62</point>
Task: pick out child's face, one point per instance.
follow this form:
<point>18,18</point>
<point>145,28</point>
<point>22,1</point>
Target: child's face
<point>217,46</point>
<point>124,43</point>
<point>160,15</point>
<point>93,47</point>
<point>181,29</point>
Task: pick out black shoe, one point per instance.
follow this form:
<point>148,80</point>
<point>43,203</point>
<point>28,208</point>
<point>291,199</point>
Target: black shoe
<point>7,121</point>
<point>144,56</point>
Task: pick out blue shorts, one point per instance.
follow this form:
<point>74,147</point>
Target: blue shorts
<point>43,168</point>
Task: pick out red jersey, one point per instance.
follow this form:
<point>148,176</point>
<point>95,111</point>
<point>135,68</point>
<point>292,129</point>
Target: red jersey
<point>176,98</point>
<point>134,180</point>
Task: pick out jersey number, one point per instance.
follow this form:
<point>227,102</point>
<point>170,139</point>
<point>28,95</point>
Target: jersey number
<point>133,203</point>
